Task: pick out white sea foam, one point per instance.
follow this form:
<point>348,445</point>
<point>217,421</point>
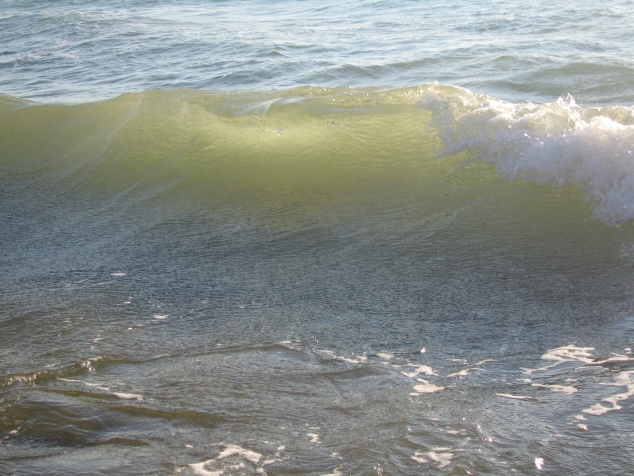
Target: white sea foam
<point>335,472</point>
<point>596,409</point>
<point>540,369</point>
<point>570,353</point>
<point>128,396</point>
<point>463,372</point>
<point>216,467</point>
<point>234,450</point>
<point>568,390</point>
<point>359,359</point>
<point>441,456</point>
<point>559,143</point>
<point>199,469</point>
<point>622,379</point>
<point>516,397</point>
<point>97,386</point>
<point>353,361</point>
<point>484,362</point>
<point>567,353</point>
<point>419,369</point>
<point>612,358</point>
<point>426,387</point>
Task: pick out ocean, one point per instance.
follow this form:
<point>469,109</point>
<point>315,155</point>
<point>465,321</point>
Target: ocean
<point>316,238</point>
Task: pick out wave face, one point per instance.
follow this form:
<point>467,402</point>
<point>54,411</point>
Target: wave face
<point>315,140</point>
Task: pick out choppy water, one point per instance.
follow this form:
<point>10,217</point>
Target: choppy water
<point>375,274</point>
<point>521,51</point>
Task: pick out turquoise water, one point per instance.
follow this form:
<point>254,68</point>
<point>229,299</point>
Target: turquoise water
<point>328,239</point>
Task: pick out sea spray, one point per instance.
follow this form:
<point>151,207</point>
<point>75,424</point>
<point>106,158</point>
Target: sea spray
<point>560,143</point>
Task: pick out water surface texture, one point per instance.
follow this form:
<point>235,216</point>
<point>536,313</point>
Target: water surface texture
<point>310,238</point>
<point>521,51</point>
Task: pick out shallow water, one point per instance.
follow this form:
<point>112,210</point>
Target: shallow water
<point>273,278</point>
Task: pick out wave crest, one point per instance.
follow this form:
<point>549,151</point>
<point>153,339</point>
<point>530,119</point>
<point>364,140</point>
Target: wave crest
<point>560,143</point>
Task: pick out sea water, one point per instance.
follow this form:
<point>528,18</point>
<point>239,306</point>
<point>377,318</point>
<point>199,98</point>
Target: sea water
<point>363,237</point>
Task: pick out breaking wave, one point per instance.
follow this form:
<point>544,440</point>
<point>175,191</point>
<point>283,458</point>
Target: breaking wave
<point>313,138</point>
<point>560,142</point>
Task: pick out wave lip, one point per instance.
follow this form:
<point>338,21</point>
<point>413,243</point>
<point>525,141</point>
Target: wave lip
<point>560,143</point>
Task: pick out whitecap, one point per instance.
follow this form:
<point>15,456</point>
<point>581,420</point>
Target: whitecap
<point>559,143</point>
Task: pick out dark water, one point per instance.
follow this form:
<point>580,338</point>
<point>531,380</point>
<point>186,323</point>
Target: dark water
<point>316,280</point>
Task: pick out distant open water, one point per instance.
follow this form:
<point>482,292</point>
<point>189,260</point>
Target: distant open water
<point>519,51</point>
<point>316,238</point>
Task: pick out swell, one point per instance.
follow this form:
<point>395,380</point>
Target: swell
<point>310,144</point>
